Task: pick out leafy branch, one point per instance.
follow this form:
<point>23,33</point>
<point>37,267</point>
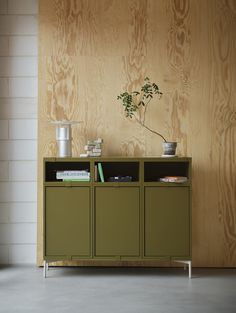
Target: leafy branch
<point>136,103</point>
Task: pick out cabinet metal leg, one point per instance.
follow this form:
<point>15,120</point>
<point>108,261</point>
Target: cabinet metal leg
<point>189,263</point>
<point>190,269</point>
<point>45,266</point>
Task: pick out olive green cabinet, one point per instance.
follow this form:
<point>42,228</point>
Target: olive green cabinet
<point>167,221</point>
<point>67,221</point>
<point>117,221</point>
<point>128,212</point>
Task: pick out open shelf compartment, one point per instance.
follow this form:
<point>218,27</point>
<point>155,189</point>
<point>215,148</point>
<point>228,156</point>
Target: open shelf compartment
<point>51,168</point>
<point>117,171</point>
<point>154,171</point>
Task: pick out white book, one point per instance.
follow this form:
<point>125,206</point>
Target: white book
<point>96,150</point>
<point>94,154</point>
<point>70,174</point>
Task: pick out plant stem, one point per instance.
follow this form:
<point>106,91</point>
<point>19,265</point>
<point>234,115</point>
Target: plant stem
<point>145,110</point>
<point>148,128</point>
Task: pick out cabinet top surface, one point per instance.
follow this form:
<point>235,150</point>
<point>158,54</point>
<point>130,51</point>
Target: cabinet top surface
<point>117,158</point>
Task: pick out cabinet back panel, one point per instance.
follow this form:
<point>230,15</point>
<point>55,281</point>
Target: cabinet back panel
<point>52,167</point>
<point>153,171</point>
<point>111,169</point>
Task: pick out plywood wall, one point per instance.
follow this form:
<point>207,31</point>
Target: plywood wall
<point>91,50</point>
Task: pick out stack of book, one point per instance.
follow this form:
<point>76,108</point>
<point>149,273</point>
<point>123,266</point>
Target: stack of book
<point>173,179</point>
<point>81,175</point>
<point>93,148</point>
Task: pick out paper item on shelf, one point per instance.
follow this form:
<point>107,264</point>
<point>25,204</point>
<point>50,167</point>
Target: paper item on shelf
<point>91,143</point>
<point>169,155</point>
<point>77,179</point>
<point>97,150</point>
<point>94,142</point>
<point>91,153</point>
<point>88,147</point>
<point>99,140</point>
<point>72,174</point>
<point>93,148</point>
<point>174,179</point>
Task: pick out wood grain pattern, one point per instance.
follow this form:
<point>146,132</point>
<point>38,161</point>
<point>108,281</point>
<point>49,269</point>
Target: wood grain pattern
<point>224,124</point>
<point>90,51</point>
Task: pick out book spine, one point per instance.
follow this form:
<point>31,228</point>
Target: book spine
<point>72,172</point>
<point>90,153</point>
<point>74,176</point>
<point>96,173</point>
<point>65,174</point>
<point>77,179</point>
<point>101,172</point>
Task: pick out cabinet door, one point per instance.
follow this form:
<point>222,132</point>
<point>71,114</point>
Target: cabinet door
<point>67,221</point>
<point>117,221</point>
<point>167,221</point>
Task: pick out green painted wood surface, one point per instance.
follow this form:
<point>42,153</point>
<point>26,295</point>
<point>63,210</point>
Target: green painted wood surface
<point>67,218</point>
<point>117,221</point>
<point>146,219</point>
<point>167,221</point>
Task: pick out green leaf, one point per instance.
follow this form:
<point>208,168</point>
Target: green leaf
<point>147,91</point>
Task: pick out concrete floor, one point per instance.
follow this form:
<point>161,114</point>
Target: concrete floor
<point>113,290</point>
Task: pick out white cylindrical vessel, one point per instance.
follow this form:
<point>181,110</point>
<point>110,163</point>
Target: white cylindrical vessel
<point>64,148</point>
<point>64,138</point>
<point>63,132</point>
